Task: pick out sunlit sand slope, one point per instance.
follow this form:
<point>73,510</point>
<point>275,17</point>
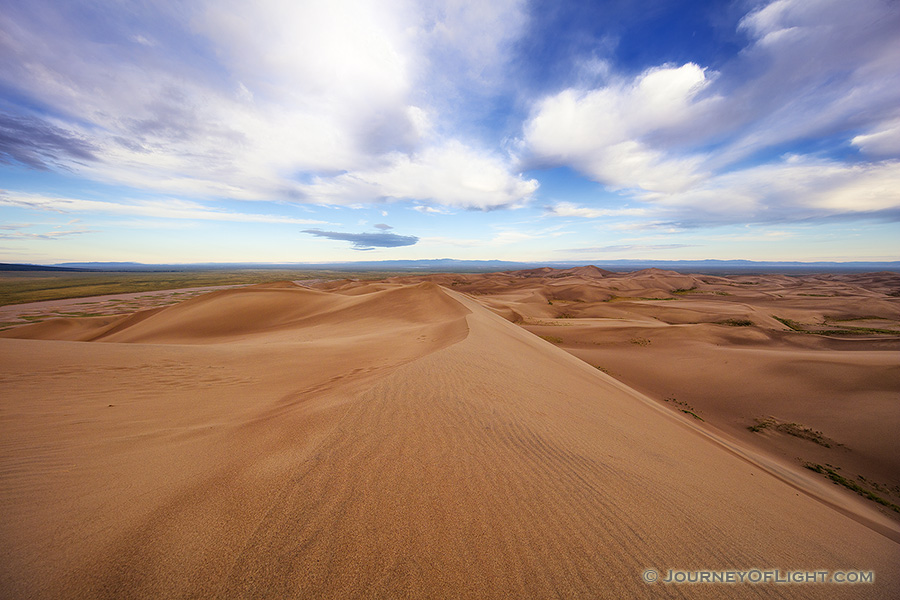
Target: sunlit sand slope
<point>805,368</point>
<point>404,442</point>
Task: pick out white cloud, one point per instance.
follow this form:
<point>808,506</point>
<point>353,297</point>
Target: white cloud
<point>883,141</point>
<point>796,188</point>
<point>452,175</point>
<point>607,133</point>
<point>501,237</point>
<point>163,209</point>
<point>49,235</point>
<point>569,209</point>
<point>431,210</point>
<point>143,40</point>
<point>14,231</point>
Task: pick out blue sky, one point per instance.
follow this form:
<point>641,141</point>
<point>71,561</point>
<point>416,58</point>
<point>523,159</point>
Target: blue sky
<point>284,131</point>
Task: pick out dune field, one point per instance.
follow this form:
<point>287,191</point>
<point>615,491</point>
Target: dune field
<point>417,438</point>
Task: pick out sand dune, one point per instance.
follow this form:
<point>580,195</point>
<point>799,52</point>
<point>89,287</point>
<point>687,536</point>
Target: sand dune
<point>261,310</point>
<point>393,439</point>
<point>723,349</point>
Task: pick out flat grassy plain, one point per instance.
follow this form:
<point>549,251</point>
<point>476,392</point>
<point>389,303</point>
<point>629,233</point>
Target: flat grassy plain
<point>19,287</point>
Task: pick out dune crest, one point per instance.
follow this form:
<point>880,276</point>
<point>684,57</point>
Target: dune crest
<point>259,310</point>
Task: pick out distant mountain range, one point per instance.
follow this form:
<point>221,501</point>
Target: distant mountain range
<point>21,267</point>
<point>448,265</point>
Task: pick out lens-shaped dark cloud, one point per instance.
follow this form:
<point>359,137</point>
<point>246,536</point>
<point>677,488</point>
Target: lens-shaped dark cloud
<point>367,241</point>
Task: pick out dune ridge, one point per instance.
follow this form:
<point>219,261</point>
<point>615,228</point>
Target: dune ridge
<point>819,354</point>
<point>239,314</point>
<point>386,440</point>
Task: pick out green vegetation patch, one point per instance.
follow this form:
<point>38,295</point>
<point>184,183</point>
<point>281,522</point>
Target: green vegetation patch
<point>844,330</point>
<point>692,413</point>
<point>846,319</point>
<point>685,407</point>
<point>794,429</point>
<point>552,338</point>
<point>633,298</point>
<point>850,484</point>
<point>856,331</point>
<point>790,324</point>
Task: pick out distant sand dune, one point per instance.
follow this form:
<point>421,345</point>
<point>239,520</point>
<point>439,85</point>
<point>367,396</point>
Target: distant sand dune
<point>378,440</point>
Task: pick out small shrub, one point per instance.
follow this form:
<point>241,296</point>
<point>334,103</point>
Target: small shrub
<point>690,412</point>
<point>737,322</point>
<point>790,324</point>
<point>760,425</point>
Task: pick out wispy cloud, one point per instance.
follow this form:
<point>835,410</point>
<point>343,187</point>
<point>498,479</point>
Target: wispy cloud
<point>163,209</point>
<point>47,235</point>
<point>570,209</point>
<point>38,144</point>
<point>430,210</point>
<point>882,140</point>
<point>367,241</point>
<point>627,248</point>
